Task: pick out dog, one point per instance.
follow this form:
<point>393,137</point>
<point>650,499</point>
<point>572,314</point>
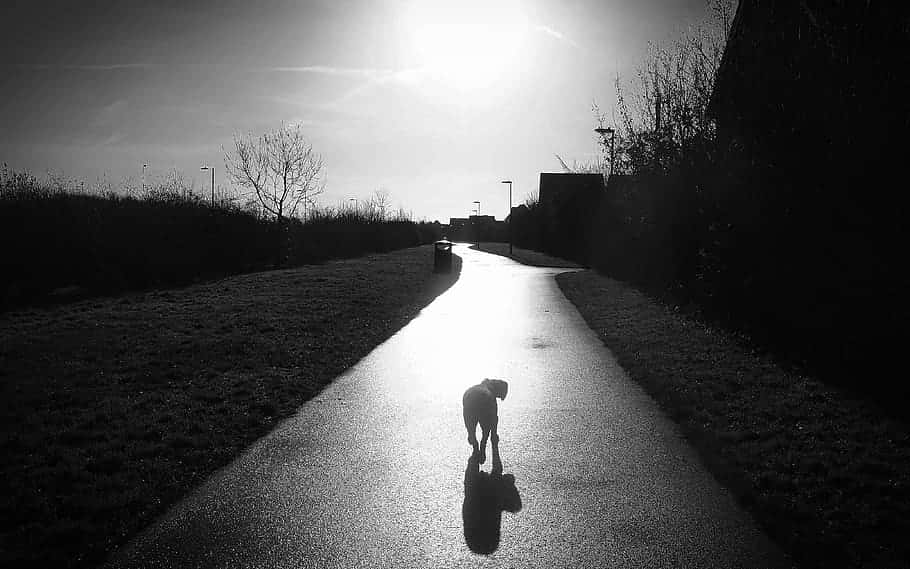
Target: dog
<point>480,407</point>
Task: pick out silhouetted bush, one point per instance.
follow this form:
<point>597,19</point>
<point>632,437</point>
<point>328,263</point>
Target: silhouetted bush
<point>88,244</point>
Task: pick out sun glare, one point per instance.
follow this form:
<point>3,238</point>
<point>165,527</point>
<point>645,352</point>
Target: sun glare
<point>466,45</point>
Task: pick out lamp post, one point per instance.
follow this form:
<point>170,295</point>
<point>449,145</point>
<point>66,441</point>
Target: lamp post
<point>603,132</point>
<point>144,166</point>
<point>509,215</point>
<point>475,226</point>
<point>212,168</point>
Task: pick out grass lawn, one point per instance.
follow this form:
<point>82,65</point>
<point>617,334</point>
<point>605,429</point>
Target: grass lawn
<point>827,475</point>
<point>113,409</point>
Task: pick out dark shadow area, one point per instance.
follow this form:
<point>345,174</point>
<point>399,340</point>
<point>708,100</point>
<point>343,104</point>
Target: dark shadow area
<point>486,496</point>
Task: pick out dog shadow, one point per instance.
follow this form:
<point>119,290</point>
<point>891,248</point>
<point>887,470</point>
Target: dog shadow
<point>486,496</point>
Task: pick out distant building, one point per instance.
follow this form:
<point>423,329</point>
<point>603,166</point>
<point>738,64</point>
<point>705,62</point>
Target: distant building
<point>476,228</point>
<point>482,221</point>
<point>569,202</point>
<point>486,228</point>
<point>457,223</point>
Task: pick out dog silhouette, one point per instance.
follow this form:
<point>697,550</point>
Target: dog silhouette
<point>480,407</point>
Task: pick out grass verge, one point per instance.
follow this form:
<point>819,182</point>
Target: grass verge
<point>826,475</point>
<point>526,256</point>
<point>115,408</point>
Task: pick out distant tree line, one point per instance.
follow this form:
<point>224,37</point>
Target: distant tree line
<point>62,241</point>
<point>775,213</point>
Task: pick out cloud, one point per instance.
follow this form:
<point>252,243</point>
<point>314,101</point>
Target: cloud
<point>372,75</point>
<point>113,139</point>
<point>557,34</point>
<point>370,78</point>
<point>367,73</point>
<point>111,67</point>
<point>404,77</point>
<point>365,82</point>
<point>111,114</point>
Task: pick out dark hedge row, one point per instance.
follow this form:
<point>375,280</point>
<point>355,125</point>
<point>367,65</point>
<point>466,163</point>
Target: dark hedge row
<point>799,268</point>
<point>64,243</point>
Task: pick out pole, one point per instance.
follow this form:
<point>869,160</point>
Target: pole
<point>509,215</point>
<point>213,186</point>
<point>475,226</point>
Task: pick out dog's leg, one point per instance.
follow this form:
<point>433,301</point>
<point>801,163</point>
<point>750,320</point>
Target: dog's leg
<point>470,423</point>
<point>485,429</point>
<point>494,442</point>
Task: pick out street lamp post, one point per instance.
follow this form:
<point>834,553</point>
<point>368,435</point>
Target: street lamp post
<point>144,166</point>
<point>475,226</point>
<point>212,168</point>
<point>509,215</point>
<point>604,132</point>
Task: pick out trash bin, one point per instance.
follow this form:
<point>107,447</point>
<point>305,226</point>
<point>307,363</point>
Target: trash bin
<point>442,256</point>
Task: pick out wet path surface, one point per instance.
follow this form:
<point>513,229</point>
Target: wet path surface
<point>371,473</point>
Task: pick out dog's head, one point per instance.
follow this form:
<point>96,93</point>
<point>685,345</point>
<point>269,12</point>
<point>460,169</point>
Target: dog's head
<point>497,387</point>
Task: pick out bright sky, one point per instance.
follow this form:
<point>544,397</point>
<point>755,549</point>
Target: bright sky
<point>433,101</point>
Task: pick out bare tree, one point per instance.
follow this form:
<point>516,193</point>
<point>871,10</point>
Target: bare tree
<point>381,201</point>
<point>279,169</point>
<point>590,166</point>
<point>665,111</point>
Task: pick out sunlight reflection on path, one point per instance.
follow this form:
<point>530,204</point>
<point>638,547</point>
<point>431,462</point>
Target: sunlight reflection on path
<point>473,330</point>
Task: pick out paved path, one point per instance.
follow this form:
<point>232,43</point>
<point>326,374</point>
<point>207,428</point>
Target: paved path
<point>371,473</point>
